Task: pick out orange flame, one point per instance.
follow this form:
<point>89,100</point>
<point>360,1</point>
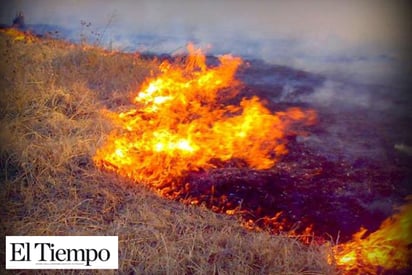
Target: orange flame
<point>387,248</point>
<point>180,123</point>
<point>19,35</point>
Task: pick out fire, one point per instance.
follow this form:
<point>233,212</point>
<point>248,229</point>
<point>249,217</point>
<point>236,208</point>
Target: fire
<point>188,116</point>
<point>387,248</point>
<point>181,121</point>
<point>19,35</point>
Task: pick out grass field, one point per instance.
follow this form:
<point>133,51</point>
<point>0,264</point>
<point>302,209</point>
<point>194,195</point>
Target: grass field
<point>53,97</point>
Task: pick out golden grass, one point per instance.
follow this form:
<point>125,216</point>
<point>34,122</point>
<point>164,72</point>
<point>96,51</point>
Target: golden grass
<point>51,124</point>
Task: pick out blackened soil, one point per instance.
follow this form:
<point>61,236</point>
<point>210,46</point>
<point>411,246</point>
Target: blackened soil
<point>339,175</point>
<point>335,197</point>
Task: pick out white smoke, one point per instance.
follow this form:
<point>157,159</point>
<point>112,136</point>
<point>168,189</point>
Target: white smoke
<point>363,41</point>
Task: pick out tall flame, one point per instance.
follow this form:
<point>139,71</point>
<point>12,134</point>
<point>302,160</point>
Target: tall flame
<point>180,123</point>
<point>387,248</point>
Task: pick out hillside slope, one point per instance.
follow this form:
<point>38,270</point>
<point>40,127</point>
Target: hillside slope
<point>52,97</point>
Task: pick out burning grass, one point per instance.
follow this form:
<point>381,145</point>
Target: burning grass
<point>51,125</point>
<point>181,126</point>
<point>386,248</point>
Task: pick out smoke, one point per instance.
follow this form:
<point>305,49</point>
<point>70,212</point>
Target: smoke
<point>362,40</point>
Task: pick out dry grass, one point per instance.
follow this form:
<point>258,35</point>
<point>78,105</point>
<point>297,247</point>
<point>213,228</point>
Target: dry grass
<point>51,124</point>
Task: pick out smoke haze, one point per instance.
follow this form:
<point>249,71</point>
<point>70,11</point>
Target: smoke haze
<point>362,40</point>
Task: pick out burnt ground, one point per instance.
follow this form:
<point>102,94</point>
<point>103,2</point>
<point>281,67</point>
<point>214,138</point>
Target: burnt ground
<point>336,197</point>
<point>349,170</point>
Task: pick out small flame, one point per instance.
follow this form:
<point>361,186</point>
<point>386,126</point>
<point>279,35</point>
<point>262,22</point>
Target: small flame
<point>19,35</point>
<point>179,124</point>
<point>387,248</point>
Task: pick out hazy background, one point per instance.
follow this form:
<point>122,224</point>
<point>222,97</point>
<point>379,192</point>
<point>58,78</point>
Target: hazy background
<point>366,41</point>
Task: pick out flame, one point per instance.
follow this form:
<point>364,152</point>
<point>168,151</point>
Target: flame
<point>387,248</point>
<point>180,123</point>
<point>19,35</point>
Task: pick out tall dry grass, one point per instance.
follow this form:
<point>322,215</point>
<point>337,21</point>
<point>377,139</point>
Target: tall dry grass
<point>51,124</point>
